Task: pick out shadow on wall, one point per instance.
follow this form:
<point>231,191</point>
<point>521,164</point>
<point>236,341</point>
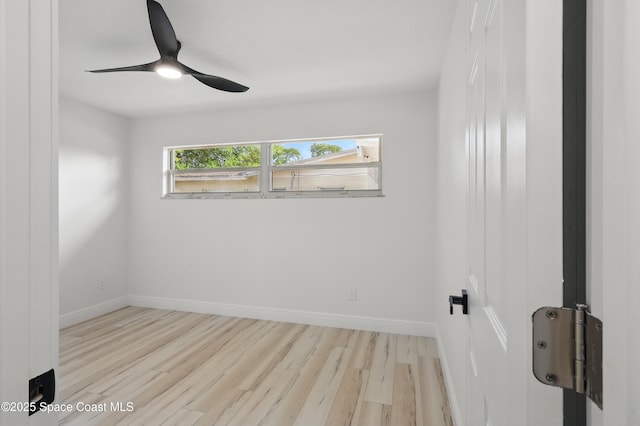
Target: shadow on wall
<point>93,199</point>
<point>94,272</point>
<point>89,195</point>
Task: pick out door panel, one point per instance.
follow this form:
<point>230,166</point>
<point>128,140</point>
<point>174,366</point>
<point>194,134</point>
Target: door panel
<point>488,341</point>
<point>510,131</point>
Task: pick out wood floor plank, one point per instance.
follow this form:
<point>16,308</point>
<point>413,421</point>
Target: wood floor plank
<point>231,357</point>
<point>183,417</point>
<point>302,350</point>
<point>435,405</point>
<point>286,410</point>
<point>184,347</point>
<point>407,352</point>
<point>363,350</point>
<point>237,366</point>
<point>219,404</point>
<point>344,337</point>
<point>375,414</point>
<point>187,390</point>
<point>188,368</point>
<point>164,405</point>
<point>102,321</point>
<point>206,347</point>
<point>404,406</point>
<point>232,410</point>
<point>427,346</point>
<point>271,356</point>
<point>380,384</point>
<point>327,341</point>
<point>263,398</point>
<point>75,416</point>
<point>349,398</point>
<point>145,399</point>
<point>446,409</point>
<point>323,393</point>
<point>126,383</point>
<point>120,352</point>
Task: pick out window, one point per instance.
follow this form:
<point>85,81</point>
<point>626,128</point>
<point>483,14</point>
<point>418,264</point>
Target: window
<point>330,167</point>
<point>223,168</point>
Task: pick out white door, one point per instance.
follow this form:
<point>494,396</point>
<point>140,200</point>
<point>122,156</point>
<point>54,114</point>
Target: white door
<point>514,150</point>
<point>614,204</point>
<point>28,203</point>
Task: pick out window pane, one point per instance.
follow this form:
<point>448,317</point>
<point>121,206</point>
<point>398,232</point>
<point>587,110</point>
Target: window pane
<point>326,179</point>
<point>217,157</point>
<point>307,168</point>
<point>330,151</point>
<point>210,181</point>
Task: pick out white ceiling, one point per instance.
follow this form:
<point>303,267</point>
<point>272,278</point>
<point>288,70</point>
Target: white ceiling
<point>284,50</point>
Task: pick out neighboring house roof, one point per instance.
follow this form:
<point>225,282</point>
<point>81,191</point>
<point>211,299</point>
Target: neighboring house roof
<point>324,158</point>
<point>207,174</point>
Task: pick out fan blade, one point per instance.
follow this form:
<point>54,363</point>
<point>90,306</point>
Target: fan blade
<point>214,81</point>
<point>220,83</point>
<point>143,67</point>
<point>163,33</point>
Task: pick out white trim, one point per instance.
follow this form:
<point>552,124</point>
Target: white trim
<point>454,406</point>
<point>385,325</point>
<point>94,311</point>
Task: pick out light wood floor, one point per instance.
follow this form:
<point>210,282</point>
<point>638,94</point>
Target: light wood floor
<point>185,368</point>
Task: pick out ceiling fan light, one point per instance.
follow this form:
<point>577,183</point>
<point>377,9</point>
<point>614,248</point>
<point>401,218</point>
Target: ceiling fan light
<point>168,71</point>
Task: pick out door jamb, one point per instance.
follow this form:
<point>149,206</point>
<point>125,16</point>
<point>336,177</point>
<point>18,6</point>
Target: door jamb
<point>574,41</point>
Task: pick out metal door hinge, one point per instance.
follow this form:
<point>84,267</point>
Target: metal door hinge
<point>567,350</point>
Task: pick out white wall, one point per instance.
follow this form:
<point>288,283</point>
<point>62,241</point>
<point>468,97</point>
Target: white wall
<point>93,179</point>
<point>451,209</point>
<point>293,254</point>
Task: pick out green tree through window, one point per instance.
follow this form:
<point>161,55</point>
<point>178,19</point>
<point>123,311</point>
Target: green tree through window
<point>320,149</point>
<point>283,155</point>
<point>212,158</point>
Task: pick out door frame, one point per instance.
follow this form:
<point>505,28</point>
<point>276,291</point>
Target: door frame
<point>28,202</point>
<point>574,163</point>
<point>614,203</point>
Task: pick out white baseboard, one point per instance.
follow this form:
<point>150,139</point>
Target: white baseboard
<point>454,406</point>
<point>91,312</point>
<point>414,328</point>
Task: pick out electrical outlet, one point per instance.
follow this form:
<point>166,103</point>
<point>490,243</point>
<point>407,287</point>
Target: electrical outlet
<point>353,294</point>
<point>101,285</point>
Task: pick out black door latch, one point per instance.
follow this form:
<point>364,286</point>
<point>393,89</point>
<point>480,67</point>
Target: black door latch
<point>42,391</point>
<point>460,300</point>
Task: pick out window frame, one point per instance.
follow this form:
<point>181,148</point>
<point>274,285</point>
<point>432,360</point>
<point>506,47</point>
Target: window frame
<point>266,171</point>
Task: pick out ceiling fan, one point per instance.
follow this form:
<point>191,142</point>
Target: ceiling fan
<point>169,46</point>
